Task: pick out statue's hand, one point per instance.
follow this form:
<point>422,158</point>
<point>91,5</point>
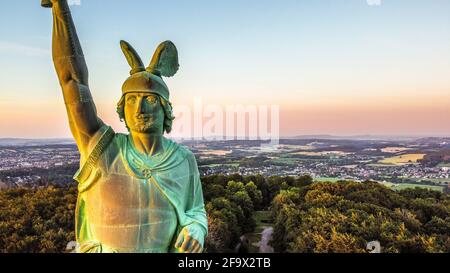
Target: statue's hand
<point>48,3</point>
<point>186,243</point>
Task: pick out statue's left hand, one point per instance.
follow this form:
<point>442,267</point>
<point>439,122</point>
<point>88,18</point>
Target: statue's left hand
<point>186,243</point>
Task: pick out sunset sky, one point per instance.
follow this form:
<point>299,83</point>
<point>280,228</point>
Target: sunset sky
<point>339,67</point>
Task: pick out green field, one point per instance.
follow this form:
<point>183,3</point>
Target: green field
<point>387,184</point>
<point>435,180</point>
<point>439,180</point>
<point>285,160</point>
<point>327,179</point>
<point>409,186</point>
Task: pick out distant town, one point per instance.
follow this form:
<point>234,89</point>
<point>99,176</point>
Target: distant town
<point>422,162</point>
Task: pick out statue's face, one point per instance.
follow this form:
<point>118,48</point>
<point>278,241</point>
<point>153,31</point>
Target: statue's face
<point>144,113</point>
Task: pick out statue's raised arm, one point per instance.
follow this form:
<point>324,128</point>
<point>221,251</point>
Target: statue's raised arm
<point>72,73</point>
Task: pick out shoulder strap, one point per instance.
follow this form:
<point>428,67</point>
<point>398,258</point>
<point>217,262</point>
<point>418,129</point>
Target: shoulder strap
<point>99,148</point>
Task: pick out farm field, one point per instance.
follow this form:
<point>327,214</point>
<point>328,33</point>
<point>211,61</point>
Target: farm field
<point>409,186</point>
<point>435,180</point>
<point>387,184</point>
<point>394,149</point>
<point>327,179</point>
<point>402,159</point>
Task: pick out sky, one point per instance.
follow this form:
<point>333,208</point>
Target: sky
<point>339,67</point>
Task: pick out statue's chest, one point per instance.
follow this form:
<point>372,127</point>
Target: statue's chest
<point>126,200</point>
<point>129,214</point>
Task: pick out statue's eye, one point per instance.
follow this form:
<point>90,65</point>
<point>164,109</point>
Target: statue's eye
<point>131,100</point>
<point>151,99</point>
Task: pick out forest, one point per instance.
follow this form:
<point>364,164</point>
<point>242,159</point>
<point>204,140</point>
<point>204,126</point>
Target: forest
<point>307,216</point>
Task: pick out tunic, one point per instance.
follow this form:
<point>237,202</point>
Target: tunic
<point>129,202</point>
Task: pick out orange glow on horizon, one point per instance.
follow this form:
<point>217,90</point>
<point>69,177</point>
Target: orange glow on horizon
<point>394,115</point>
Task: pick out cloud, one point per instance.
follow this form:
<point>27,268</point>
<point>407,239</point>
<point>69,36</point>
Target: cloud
<point>15,48</point>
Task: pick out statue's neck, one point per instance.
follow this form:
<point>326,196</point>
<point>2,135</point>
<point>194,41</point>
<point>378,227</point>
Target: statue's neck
<point>148,144</point>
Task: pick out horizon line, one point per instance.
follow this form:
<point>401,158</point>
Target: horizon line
<point>209,138</point>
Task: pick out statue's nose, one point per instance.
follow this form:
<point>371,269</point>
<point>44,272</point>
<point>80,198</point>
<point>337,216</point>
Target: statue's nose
<point>141,105</point>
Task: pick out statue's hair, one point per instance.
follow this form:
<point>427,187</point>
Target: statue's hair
<point>167,107</point>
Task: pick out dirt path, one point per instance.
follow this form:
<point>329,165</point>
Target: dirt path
<point>259,239</point>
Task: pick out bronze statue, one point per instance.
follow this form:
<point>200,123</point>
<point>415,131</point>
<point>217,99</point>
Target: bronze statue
<point>139,192</point>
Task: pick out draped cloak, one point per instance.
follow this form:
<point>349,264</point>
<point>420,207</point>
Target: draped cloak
<point>129,202</point>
